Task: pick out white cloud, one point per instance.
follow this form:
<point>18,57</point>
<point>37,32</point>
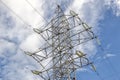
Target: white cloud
<point>91,12</point>
<point>32,43</point>
<point>5,45</point>
<point>109,55</point>
<point>114,5</point>
<point>14,35</point>
<point>25,11</point>
<point>13,32</point>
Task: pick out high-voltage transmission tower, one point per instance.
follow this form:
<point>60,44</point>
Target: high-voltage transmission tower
<point>60,56</point>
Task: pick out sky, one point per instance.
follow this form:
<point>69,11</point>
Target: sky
<point>18,18</point>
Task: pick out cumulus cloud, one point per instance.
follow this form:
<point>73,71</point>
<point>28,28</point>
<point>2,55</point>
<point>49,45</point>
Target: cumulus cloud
<point>91,12</point>
<point>115,6</point>
<point>25,11</point>
<point>31,43</point>
<point>14,35</point>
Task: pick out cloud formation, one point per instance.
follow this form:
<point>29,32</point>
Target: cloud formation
<point>14,34</point>
<point>114,5</point>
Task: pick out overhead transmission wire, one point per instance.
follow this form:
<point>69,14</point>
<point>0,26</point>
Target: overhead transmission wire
<point>40,15</point>
<point>99,76</point>
<point>36,10</point>
<point>112,67</point>
<point>111,75</point>
<point>27,68</point>
<point>24,22</point>
<point>109,62</point>
<point>47,21</point>
<point>17,14</point>
<point>14,13</point>
<point>97,73</point>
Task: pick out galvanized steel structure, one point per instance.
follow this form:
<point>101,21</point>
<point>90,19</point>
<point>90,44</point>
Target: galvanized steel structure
<point>60,56</point>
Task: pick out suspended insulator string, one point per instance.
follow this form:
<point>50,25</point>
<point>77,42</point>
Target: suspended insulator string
<point>112,67</point>
<point>27,59</point>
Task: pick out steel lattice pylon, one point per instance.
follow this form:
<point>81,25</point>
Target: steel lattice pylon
<point>60,57</point>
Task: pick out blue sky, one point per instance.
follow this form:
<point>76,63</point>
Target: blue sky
<point>108,68</point>
<point>110,32</point>
<point>17,21</point>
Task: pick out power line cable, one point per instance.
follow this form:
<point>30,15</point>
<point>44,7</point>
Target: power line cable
<point>109,62</point>
<point>14,13</point>
<point>112,67</point>
<point>99,76</point>
<point>44,19</point>
<point>36,10</point>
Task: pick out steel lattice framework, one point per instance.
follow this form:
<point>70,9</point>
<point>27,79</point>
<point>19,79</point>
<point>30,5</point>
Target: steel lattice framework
<point>59,57</point>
